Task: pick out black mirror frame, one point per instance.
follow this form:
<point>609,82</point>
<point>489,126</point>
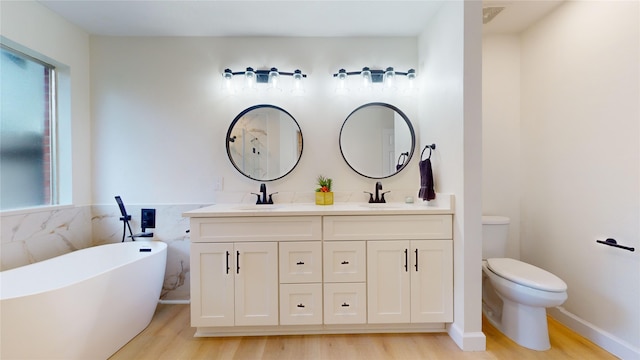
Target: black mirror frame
<point>411,130</point>
<point>239,116</point>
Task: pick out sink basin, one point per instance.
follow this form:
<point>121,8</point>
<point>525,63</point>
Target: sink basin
<point>256,207</point>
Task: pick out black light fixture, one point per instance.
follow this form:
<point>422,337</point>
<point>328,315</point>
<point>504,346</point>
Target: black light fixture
<point>264,76</point>
<point>372,76</point>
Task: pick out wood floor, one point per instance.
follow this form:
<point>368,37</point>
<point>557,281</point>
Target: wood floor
<point>169,336</point>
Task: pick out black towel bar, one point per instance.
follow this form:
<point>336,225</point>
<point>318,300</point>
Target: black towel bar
<point>614,243</point>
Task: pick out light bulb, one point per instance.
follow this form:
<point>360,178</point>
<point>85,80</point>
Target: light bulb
<point>298,85</point>
<point>389,79</point>
<point>250,79</point>
<point>411,82</point>
<point>366,78</point>
<point>341,85</point>
<point>273,81</point>
<point>227,83</point>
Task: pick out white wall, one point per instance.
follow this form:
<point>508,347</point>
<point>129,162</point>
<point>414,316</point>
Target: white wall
<point>579,157</point>
<point>501,158</point>
<point>450,116</point>
<point>160,118</point>
<point>38,234</point>
<point>39,31</point>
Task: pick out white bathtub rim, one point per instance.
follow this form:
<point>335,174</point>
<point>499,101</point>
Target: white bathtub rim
<point>39,288</point>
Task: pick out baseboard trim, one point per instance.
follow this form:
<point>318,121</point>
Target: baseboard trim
<point>470,341</point>
<point>605,340</point>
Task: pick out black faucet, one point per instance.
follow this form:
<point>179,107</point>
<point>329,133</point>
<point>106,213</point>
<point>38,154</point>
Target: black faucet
<point>379,197</point>
<point>263,191</point>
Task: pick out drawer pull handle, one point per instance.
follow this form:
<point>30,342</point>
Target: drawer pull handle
<point>300,263</point>
<point>228,268</point>
<point>300,305</point>
<point>237,262</point>
<point>345,305</point>
<point>416,259</point>
<point>344,263</point>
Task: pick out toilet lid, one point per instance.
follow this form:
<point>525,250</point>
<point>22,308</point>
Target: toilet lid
<point>526,274</point>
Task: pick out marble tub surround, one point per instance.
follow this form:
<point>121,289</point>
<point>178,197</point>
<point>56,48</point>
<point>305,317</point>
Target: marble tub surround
<point>171,228</point>
<point>33,235</point>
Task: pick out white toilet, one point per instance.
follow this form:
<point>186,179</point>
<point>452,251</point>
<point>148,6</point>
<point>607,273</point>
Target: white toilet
<point>515,294</point>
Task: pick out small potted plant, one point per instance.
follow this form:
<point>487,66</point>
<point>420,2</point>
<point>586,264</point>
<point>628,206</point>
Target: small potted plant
<point>324,195</point>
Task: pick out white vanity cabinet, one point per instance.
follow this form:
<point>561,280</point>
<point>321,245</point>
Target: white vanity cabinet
<point>235,268</point>
<point>236,284</point>
<point>410,281</point>
<point>301,269</point>
<point>409,265</point>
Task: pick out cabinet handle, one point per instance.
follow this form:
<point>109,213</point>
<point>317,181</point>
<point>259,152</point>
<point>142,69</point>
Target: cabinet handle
<point>416,259</point>
<point>344,305</point>
<point>300,305</point>
<point>228,268</point>
<point>300,263</point>
<point>406,260</point>
<point>344,263</point>
<point>237,262</point>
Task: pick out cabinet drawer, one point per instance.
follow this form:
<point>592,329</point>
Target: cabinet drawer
<point>387,227</point>
<point>345,303</point>
<point>300,304</point>
<point>256,228</point>
<point>345,261</point>
<point>300,262</point>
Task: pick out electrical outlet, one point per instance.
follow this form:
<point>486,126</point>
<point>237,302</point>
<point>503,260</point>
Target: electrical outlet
<point>148,219</point>
<point>217,183</point>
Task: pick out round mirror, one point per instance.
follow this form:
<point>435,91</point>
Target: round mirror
<point>377,140</point>
<point>264,142</point>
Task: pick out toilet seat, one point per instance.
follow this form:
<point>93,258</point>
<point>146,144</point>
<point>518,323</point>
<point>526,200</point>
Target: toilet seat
<point>526,274</point>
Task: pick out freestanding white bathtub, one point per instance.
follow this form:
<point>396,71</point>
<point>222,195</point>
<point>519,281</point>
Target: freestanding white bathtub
<point>85,304</point>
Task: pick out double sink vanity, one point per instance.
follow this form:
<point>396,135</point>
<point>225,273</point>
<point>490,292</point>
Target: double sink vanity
<point>295,268</point>
<point>308,269</point>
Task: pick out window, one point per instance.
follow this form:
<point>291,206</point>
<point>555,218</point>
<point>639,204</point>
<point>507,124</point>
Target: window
<point>27,131</point>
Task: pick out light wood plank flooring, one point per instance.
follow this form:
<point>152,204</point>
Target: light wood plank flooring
<point>169,336</point>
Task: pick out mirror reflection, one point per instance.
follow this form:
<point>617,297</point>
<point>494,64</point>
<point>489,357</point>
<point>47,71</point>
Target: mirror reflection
<point>377,140</point>
<point>264,142</point>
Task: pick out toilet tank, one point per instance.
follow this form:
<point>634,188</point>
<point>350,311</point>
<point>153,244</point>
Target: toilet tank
<point>495,234</point>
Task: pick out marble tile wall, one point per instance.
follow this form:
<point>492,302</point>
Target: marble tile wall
<point>29,237</point>
<point>171,228</point>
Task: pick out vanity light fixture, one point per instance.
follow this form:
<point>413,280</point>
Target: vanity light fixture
<point>369,77</point>
<point>271,77</point>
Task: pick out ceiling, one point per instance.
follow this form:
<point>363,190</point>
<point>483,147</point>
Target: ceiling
<point>322,18</point>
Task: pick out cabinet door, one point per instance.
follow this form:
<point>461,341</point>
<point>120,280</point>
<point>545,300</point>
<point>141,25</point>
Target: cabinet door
<point>388,282</point>
<point>212,284</point>
<point>256,283</point>
<point>431,281</point>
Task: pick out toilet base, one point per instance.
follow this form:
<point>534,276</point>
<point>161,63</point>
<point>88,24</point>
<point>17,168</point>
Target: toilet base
<point>526,325</point>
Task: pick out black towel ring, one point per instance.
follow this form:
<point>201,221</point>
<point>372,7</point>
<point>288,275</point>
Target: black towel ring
<point>431,147</point>
<point>401,160</point>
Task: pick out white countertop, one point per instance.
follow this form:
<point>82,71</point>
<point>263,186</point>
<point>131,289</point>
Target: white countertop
<point>444,205</point>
